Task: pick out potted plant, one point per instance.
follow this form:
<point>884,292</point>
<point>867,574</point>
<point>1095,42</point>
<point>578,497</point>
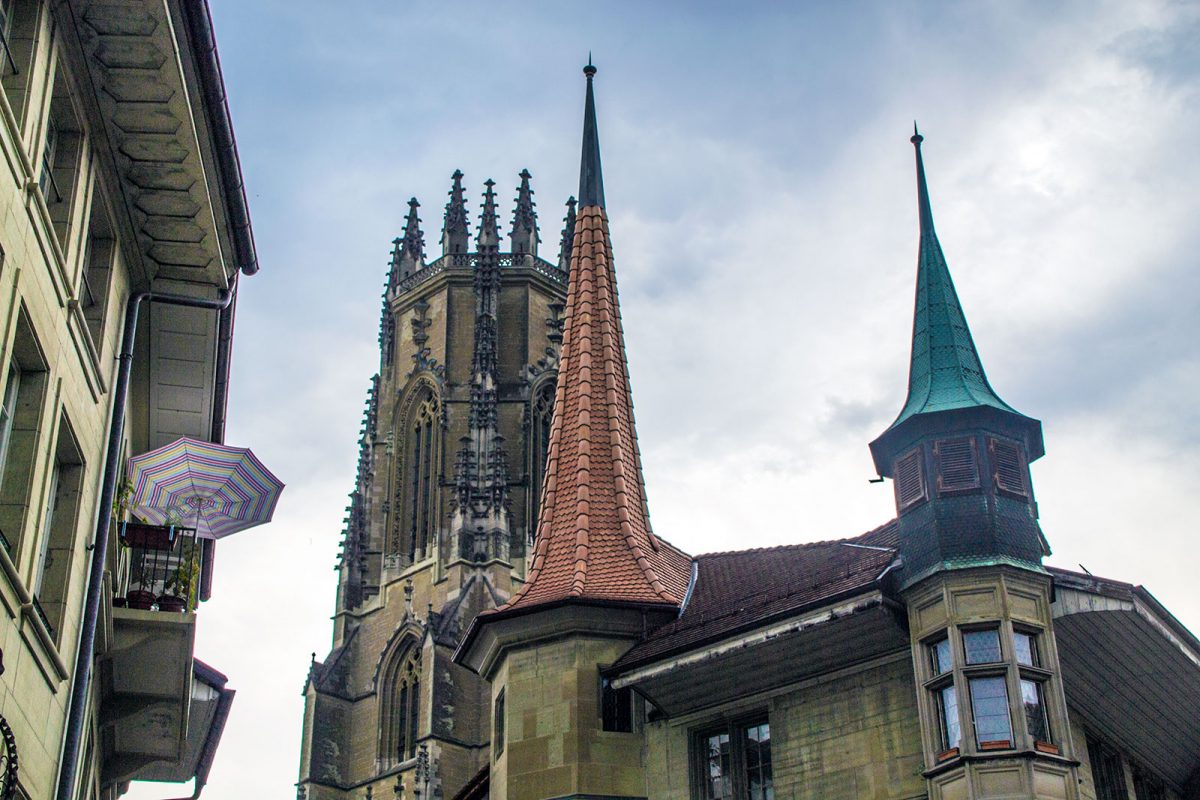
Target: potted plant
<point>180,588</point>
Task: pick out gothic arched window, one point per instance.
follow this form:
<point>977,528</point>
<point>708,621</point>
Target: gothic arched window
<point>417,496</point>
<point>400,706</point>
<point>541,414</point>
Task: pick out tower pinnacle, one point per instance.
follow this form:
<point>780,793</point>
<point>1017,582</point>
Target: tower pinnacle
<point>455,228</point>
<point>408,255</point>
<point>489,232</point>
<point>524,234</point>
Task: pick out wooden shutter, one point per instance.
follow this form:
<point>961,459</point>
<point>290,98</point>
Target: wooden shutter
<point>910,480</point>
<point>1008,468</point>
<point>958,464</point>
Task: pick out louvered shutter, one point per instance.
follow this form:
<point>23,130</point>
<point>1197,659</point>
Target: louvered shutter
<point>1008,468</point>
<point>958,464</point>
<point>910,480</point>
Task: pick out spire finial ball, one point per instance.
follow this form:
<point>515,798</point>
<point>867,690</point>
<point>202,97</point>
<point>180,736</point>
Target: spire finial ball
<point>916,138</point>
<point>590,69</point>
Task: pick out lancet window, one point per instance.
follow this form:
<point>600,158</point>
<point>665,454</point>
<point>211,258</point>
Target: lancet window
<point>417,491</point>
<point>401,706</point>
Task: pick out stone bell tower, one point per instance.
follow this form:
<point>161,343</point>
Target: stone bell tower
<point>991,702</point>
<point>451,462</point>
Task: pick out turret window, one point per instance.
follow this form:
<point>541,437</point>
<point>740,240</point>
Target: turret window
<point>1008,467</point>
<point>982,647</point>
<point>970,672</point>
<point>910,480</point>
<point>958,465</point>
<point>989,706</point>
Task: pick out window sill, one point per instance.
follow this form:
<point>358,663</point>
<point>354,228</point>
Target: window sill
<point>1002,744</point>
<point>954,762</point>
<point>1046,747</point>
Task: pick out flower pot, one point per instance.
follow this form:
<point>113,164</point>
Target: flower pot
<point>169,602</point>
<point>140,598</point>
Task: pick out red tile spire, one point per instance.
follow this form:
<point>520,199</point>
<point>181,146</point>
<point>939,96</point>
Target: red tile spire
<point>594,541</point>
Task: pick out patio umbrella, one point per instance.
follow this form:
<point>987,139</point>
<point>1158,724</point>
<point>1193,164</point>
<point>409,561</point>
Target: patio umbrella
<point>216,489</point>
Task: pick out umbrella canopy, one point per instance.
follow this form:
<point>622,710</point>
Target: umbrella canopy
<point>216,489</point>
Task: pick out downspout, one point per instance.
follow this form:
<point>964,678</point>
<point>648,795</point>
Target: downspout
<point>77,710</point>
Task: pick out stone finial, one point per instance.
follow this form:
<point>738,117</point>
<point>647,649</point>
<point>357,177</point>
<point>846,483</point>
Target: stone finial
<point>408,252</point>
<point>455,227</point>
<point>524,234</point>
<point>489,231</point>
<point>568,237</point>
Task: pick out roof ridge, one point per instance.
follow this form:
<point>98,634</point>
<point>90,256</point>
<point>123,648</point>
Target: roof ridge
<point>798,545</point>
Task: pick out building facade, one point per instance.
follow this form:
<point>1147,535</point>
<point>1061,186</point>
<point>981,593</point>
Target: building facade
<point>123,230</point>
<point>935,656</point>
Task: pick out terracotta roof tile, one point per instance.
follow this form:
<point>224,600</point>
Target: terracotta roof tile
<point>594,538</point>
<point>738,590</point>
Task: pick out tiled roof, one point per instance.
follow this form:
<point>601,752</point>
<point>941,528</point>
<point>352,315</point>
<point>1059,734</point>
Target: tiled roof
<point>740,590</point>
<point>594,540</point>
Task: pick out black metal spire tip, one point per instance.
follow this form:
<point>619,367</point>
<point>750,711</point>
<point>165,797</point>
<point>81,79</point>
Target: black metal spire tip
<point>591,181</point>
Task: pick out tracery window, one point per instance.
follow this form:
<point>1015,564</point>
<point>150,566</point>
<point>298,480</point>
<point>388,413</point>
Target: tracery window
<point>417,493</point>
<point>401,706</point>
<point>541,414</point>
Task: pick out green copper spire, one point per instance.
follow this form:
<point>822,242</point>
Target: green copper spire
<point>945,372</point>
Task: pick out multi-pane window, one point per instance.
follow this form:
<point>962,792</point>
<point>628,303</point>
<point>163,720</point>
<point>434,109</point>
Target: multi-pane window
<point>57,534</point>
<point>1034,705</point>
<point>1147,786</point>
<point>950,728</point>
<point>95,278</point>
<point>734,762</point>
<point>982,647</point>
<point>989,708</point>
<point>968,677</point>
<point>21,422</point>
<point>1025,649</point>
<point>8,411</point>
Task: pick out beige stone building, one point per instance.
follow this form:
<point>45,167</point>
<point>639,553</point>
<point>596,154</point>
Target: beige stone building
<point>933,657</point>
<point>123,229</point>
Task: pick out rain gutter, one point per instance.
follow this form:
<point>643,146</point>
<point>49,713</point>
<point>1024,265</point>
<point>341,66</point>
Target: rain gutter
<point>198,18</point>
<point>84,655</point>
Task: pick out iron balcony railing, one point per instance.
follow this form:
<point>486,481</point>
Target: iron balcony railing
<point>165,567</point>
<point>8,761</point>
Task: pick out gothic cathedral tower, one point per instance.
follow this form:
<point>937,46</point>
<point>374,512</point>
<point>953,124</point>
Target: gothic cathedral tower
<point>451,462</point>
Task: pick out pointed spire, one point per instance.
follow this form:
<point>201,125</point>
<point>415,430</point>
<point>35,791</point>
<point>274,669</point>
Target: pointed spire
<point>594,541</point>
<point>409,252</point>
<point>455,227</point>
<point>524,234</point>
<point>489,232</point>
<point>945,371</point>
<point>568,236</point>
<point>591,181</point>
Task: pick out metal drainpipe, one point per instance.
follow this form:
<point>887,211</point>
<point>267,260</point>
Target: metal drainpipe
<point>112,470</point>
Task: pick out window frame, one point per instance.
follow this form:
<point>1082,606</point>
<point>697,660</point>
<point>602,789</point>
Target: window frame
<point>904,500</point>
<point>961,677</point>
<point>735,728</point>
<point>499,724</point>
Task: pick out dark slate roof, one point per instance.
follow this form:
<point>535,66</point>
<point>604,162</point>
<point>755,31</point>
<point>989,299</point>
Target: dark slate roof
<point>745,589</point>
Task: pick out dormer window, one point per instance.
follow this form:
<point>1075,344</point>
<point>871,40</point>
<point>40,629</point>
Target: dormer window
<point>910,480</point>
<point>957,464</point>
<point>1008,467</point>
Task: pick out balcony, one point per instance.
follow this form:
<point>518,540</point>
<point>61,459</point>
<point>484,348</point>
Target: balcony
<point>157,704</point>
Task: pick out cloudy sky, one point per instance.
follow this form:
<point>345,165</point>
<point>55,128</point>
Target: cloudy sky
<point>760,187</point>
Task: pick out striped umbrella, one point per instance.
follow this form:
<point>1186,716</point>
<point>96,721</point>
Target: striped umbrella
<point>217,490</point>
